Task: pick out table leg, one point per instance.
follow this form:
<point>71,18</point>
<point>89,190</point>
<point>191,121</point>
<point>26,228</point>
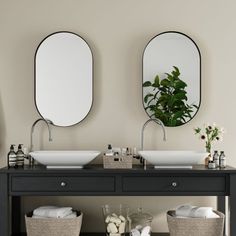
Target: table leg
<point>232,204</point>
<point>16,215</point>
<point>4,205</point>
<point>221,206</point>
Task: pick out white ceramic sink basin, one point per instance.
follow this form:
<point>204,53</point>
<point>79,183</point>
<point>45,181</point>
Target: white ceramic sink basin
<point>173,159</point>
<point>64,159</point>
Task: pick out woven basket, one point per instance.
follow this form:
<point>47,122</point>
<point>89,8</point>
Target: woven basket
<point>195,226</point>
<point>53,227</point>
<point>117,162</point>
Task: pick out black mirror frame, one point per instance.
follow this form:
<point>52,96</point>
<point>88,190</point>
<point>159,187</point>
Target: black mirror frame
<point>200,70</point>
<point>35,75</point>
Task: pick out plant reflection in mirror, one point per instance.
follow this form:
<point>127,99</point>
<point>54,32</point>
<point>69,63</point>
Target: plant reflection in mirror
<point>168,99</point>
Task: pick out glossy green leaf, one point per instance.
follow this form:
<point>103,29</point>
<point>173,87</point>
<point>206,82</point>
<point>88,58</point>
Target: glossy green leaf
<point>180,84</point>
<point>180,96</point>
<point>165,82</point>
<point>156,83</point>
<point>176,71</point>
<point>147,97</point>
<point>147,84</point>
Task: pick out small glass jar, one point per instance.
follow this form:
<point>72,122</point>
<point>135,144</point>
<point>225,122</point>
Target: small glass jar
<point>211,165</point>
<point>116,219</point>
<point>140,223</point>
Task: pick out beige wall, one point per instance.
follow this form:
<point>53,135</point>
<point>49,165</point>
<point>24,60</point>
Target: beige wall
<point>117,32</point>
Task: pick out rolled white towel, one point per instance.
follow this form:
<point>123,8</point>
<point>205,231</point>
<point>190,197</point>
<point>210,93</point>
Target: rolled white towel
<point>39,217</point>
<point>203,212</point>
<point>188,211</point>
<point>52,212</point>
<point>181,217</point>
<point>213,215</point>
<point>71,216</point>
<point>47,207</point>
<point>40,209</point>
<point>184,210</point>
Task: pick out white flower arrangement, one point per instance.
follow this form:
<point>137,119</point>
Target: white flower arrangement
<point>209,134</point>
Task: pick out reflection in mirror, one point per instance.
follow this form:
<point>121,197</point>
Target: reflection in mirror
<point>63,78</point>
<point>171,78</point>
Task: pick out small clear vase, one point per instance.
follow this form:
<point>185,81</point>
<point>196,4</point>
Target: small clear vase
<point>140,223</point>
<point>116,219</point>
<point>209,157</point>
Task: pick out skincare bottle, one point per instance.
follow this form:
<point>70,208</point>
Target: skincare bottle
<point>128,151</point>
<point>20,156</point>
<point>109,151</point>
<point>11,156</point>
<point>135,155</point>
<point>216,158</point>
<point>27,156</point>
<point>222,159</point>
<point>116,149</point>
<point>123,151</point>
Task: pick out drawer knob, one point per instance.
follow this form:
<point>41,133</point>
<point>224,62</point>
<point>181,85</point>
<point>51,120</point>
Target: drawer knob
<point>63,184</point>
<point>174,184</point>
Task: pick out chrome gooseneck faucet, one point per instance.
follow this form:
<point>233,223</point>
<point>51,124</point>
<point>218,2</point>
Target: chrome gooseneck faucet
<point>47,122</point>
<point>159,122</point>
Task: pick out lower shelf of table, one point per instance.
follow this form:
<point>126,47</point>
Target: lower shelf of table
<point>99,234</point>
<point>102,234</point>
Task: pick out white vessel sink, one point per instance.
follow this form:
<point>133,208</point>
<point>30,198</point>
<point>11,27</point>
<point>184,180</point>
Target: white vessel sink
<point>64,159</point>
<point>173,159</point>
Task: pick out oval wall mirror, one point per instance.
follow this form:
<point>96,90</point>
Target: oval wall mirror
<point>63,78</point>
<point>171,78</point>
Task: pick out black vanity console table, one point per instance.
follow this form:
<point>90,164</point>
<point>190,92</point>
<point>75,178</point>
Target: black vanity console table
<point>96,181</point>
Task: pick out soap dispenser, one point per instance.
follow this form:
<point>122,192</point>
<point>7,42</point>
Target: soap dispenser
<point>20,156</point>
<point>11,156</point>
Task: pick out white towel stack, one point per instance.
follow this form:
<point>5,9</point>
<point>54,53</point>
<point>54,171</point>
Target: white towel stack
<point>53,212</point>
<point>188,211</point>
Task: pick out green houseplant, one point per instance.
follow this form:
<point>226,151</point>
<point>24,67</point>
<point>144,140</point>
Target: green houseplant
<point>167,99</point>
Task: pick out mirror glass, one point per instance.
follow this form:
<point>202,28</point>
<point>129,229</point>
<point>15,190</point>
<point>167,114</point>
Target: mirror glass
<point>171,78</point>
<point>63,78</point>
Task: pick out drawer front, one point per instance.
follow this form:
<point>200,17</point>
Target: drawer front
<point>62,184</point>
<point>173,184</point>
